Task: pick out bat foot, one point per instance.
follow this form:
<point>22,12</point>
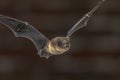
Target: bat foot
<point>44,53</point>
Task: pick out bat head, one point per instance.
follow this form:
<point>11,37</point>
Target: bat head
<point>63,43</point>
<point>58,45</point>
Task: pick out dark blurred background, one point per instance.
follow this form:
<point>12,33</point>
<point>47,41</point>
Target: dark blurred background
<point>95,50</point>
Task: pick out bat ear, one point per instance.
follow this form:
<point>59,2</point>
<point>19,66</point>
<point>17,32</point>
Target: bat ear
<point>44,53</point>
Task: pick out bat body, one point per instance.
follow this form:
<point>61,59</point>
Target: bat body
<point>45,47</point>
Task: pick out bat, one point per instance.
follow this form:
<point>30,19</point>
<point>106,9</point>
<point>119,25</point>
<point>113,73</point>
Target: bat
<point>44,46</point>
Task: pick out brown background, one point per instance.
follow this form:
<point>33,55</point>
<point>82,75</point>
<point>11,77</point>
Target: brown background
<point>95,49</point>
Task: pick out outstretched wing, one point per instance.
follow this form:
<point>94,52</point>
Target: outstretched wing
<point>83,22</point>
<point>24,29</point>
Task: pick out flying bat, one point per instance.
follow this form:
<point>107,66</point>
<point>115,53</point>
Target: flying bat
<point>46,47</point>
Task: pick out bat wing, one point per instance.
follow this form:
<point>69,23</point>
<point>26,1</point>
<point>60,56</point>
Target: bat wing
<point>84,20</point>
<point>23,29</point>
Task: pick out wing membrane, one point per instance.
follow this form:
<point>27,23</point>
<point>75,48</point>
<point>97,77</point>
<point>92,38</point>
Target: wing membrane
<point>83,22</point>
<point>24,29</point>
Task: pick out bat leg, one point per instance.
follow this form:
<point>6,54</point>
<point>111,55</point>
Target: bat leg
<point>44,53</point>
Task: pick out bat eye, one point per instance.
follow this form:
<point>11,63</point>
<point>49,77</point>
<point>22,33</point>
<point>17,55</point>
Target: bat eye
<point>63,44</point>
<point>60,44</point>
